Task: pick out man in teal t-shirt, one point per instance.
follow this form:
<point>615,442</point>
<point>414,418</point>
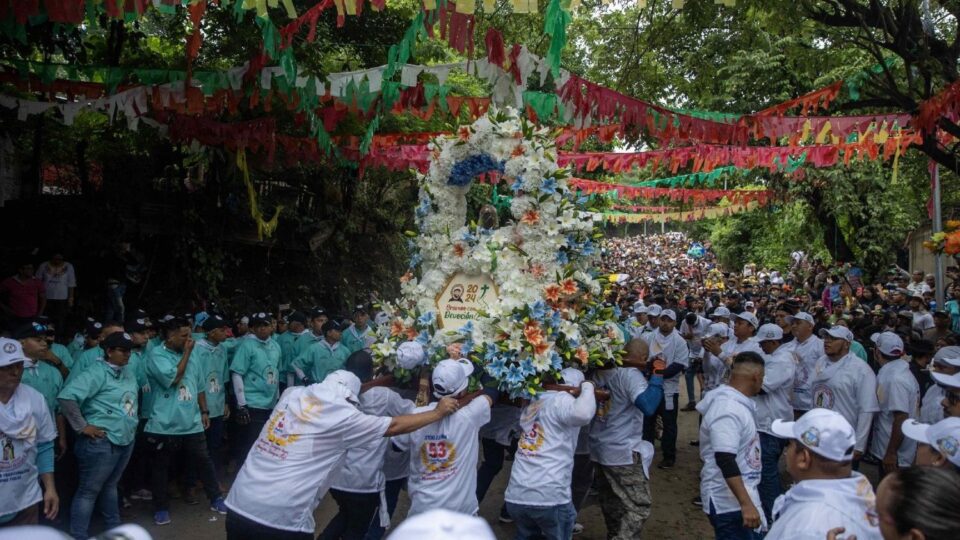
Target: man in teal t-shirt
<point>255,374</point>
<point>212,361</point>
<point>318,317</point>
<point>296,327</point>
<point>94,354</point>
<point>179,417</point>
<point>43,372</point>
<point>323,357</point>
<point>101,405</point>
<point>136,479</point>
<point>359,336</point>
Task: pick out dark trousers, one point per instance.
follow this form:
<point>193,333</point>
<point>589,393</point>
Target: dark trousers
<point>729,526</point>
<point>246,435</point>
<point>164,449</point>
<point>581,479</point>
<point>392,493</point>
<point>241,528</point>
<point>57,311</point>
<point>214,436</point>
<point>493,455</point>
<point>353,518</point>
<point>770,488</point>
<point>668,443</point>
<point>28,516</point>
<point>689,377</point>
<point>136,477</point>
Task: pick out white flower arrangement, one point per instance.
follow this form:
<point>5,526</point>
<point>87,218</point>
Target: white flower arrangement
<point>541,261</point>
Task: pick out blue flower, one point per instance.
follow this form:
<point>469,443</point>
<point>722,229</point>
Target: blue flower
<point>467,237</point>
<point>424,208</point>
<point>491,352</point>
<point>588,248</point>
<point>427,318</point>
<point>562,257</point>
<point>514,376</point>
<point>467,347</point>
<point>423,338</point>
<point>466,329</point>
<point>538,310</point>
<point>549,186</point>
<point>554,320</point>
<point>496,368</point>
<point>526,367</point>
<point>555,361</point>
<point>465,171</point>
<point>415,260</point>
<point>517,186</point>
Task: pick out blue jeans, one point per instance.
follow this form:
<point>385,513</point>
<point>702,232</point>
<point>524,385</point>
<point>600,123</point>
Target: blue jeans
<point>729,526</point>
<point>100,463</point>
<point>547,522</point>
<point>770,488</point>
<point>392,493</point>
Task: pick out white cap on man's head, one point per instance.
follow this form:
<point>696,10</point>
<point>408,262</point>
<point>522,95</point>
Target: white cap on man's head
<point>944,436</point>
<point>451,377</point>
<point>838,332</point>
<point>769,332</point>
<point>721,311</point>
<point>950,381</point>
<point>669,313</point>
<point>801,316</point>
<point>826,433</point>
<point>11,352</point>
<point>572,376</point>
<point>654,310</point>
<point>347,380</point>
<point>638,307</point>
<point>440,524</point>
<point>949,355</point>
<point>717,330</point>
<point>410,354</point>
<point>888,343</point>
<point>749,317</point>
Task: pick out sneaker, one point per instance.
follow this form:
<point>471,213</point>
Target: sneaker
<point>577,528</point>
<point>697,501</point>
<point>190,497</point>
<point>142,495</point>
<point>505,516</point>
<point>666,464</point>
<point>161,518</point>
<point>218,506</point>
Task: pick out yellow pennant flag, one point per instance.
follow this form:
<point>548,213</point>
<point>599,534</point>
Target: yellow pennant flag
<point>429,5</point>
<point>806,130</point>
<point>822,136</point>
<point>466,6</point>
<point>351,6</point>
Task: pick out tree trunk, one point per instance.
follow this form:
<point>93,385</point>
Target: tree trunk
<point>832,235</point>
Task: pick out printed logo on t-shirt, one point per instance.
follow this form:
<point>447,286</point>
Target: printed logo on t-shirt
<point>213,383</point>
<point>800,380</point>
<point>270,375</point>
<point>183,393</point>
<point>753,454</point>
<point>823,397</point>
<point>11,456</point>
<point>532,440</point>
<point>128,404</point>
<point>438,457</point>
<point>274,438</point>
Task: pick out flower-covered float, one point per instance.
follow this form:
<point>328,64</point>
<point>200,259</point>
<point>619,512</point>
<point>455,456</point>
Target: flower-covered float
<point>519,300</point>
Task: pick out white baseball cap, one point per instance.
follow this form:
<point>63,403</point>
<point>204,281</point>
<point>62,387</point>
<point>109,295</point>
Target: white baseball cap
<point>749,317</point>
<point>11,352</point>
<point>654,310</point>
<point>669,313</point>
<point>888,343</point>
<point>717,329</point>
<point>451,377</point>
<point>839,332</point>
<point>639,308</point>
<point>826,433</point>
<point>769,332</point>
<point>721,311</point>
<point>440,524</point>
<point>349,382</point>
<point>801,316</point>
<point>944,436</point>
<point>950,381</point>
<point>410,354</point>
<point>949,355</point>
<point>572,376</point>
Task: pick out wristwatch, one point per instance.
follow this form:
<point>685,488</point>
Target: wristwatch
<point>204,412</point>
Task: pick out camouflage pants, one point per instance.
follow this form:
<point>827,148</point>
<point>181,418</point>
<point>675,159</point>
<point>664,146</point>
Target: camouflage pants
<point>624,499</point>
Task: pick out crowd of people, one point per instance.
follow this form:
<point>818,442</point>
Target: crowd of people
<point>263,414</point>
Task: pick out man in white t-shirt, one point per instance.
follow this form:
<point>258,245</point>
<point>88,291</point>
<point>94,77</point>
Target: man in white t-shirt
<point>638,326</point>
<point>922,318</point>
<point>692,329</point>
<point>538,495</point>
<point>730,450</point>
<point>667,344</point>
<point>827,493</point>
<point>616,441</point>
<point>898,394</point>
<point>713,368</point>
<point>359,483</point>
<point>947,362</point>
<point>303,444</point>
<point>807,348</point>
<point>844,383</point>
<point>773,403</point>
<point>443,456</point>
<point>27,434</point>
